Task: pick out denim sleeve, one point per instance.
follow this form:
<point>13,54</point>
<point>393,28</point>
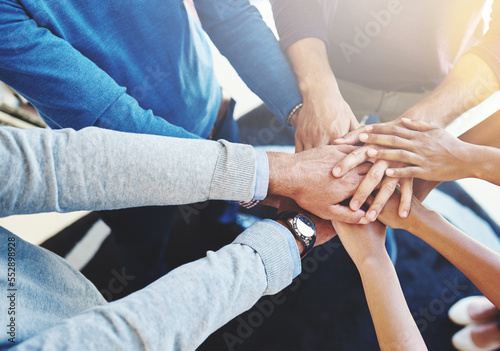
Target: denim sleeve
<point>299,19</point>
<point>97,169</point>
<point>68,89</point>
<point>180,310</point>
<point>489,46</point>
<point>238,31</point>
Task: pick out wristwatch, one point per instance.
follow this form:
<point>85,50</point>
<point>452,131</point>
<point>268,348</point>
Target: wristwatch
<point>302,228</point>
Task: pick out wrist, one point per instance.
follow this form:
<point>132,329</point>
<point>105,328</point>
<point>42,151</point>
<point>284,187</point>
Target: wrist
<point>372,262</point>
<point>474,159</point>
<point>417,218</point>
<point>280,176</point>
<point>300,245</point>
<point>316,85</point>
<point>292,117</point>
<point>467,159</point>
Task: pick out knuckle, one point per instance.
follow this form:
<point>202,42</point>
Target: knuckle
<point>390,186</point>
<point>375,174</point>
<point>404,155</point>
<point>357,155</point>
<point>377,206</point>
<point>412,172</point>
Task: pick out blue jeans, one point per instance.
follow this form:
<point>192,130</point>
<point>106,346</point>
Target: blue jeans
<point>141,234</point>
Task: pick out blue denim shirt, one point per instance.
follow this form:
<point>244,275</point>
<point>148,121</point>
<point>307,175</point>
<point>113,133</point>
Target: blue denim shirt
<point>56,307</point>
<point>137,66</point>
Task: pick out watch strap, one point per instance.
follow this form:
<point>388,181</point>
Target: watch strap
<point>288,217</point>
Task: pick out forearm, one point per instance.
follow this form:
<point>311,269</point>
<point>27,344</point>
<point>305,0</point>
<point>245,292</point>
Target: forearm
<point>486,164</point>
<point>325,116</point>
<point>310,63</point>
<point>479,263</point>
<point>97,169</point>
<point>180,310</point>
<point>393,321</point>
<point>469,83</point>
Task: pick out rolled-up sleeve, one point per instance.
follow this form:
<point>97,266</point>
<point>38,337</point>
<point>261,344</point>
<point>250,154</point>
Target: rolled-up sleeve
<point>489,46</point>
<point>298,19</point>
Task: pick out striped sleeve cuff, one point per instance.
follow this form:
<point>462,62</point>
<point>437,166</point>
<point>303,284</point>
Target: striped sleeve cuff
<point>278,251</point>
<point>235,173</point>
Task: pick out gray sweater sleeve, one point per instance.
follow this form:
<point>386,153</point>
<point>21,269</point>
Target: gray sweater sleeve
<point>180,310</point>
<point>97,169</point>
<point>92,169</point>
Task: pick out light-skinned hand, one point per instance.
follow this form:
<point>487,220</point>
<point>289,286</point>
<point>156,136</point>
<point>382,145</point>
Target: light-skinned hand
<point>306,177</point>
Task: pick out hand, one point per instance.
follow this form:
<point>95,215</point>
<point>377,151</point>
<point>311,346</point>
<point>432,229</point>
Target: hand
<point>389,215</point>
<point>433,153</point>
<point>272,201</point>
<point>373,180</point>
<point>362,242</point>
<point>324,229</point>
<point>352,138</point>
<point>324,117</point>
<point>306,177</point>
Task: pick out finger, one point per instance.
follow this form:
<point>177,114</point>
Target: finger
<point>384,194</point>
<point>308,145</point>
<point>352,137</point>
<point>368,184</point>
<point>406,172</point>
<point>345,214</point>
<point>351,161</point>
<point>389,129</point>
<point>363,168</point>
<point>298,144</point>
<point>393,141</point>
<point>417,125</point>
<point>364,221</point>
<point>346,149</point>
<point>396,155</point>
<point>406,196</point>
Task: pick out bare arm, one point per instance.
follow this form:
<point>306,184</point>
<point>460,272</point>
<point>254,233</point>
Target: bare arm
<point>470,82</point>
<point>393,322</point>
<point>479,263</point>
<point>325,115</point>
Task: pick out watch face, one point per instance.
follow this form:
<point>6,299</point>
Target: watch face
<point>305,226</point>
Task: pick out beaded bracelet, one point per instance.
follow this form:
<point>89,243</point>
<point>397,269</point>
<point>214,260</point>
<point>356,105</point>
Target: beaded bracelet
<point>292,112</point>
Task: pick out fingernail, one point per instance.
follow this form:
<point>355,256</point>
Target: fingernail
<point>363,137</point>
<point>363,221</point>
<point>372,215</point>
<point>372,152</point>
<point>336,171</point>
<point>355,205</point>
<point>389,172</point>
<point>368,128</point>
<point>406,119</point>
<point>339,140</point>
<point>405,214</point>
